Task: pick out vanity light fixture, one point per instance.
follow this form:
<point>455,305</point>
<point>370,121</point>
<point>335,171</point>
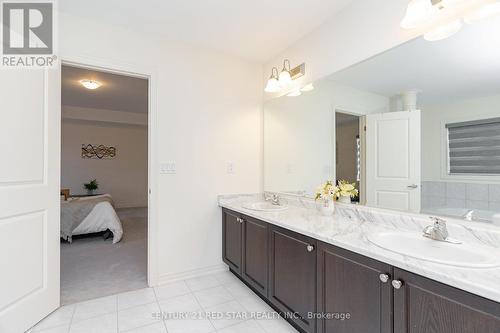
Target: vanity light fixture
<point>490,10</point>
<point>421,13</point>
<point>273,84</point>
<point>90,84</point>
<point>282,81</point>
<point>285,78</point>
<point>307,87</point>
<point>294,93</point>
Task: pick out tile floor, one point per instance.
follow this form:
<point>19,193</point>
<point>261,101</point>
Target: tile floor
<point>134,311</point>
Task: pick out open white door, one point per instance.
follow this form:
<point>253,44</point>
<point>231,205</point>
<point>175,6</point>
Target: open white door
<point>29,196</point>
<point>393,160</point>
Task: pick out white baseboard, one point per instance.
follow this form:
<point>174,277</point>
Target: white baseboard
<point>173,277</point>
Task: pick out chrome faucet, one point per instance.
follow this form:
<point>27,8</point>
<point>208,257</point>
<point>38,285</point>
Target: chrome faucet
<point>439,231</point>
<point>469,215</point>
<point>273,197</point>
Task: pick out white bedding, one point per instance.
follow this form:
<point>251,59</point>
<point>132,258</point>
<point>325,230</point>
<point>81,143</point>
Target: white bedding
<point>101,218</point>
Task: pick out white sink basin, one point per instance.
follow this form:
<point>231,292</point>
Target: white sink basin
<point>264,206</point>
<point>419,247</point>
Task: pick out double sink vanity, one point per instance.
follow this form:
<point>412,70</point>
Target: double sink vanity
<point>363,269</point>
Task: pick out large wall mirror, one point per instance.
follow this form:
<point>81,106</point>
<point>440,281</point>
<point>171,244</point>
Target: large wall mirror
<point>416,128</point>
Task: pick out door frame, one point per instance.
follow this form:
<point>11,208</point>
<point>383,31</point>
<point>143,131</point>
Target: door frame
<point>149,73</point>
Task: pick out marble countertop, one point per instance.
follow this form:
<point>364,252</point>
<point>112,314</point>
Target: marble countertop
<point>349,227</point>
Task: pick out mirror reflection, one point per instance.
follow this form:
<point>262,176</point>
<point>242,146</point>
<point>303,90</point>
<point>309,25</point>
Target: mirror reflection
<point>416,128</point>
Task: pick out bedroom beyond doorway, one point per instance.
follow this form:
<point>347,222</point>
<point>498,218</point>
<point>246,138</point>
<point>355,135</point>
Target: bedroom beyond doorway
<point>104,183</point>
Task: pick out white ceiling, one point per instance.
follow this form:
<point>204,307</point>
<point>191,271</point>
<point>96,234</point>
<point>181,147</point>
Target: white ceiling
<point>117,93</point>
<point>466,65</point>
<point>255,30</point>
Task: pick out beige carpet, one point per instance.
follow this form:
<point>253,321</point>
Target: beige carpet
<point>92,267</point>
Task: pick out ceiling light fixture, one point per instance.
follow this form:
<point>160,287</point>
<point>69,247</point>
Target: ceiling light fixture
<point>90,84</point>
<point>444,17</point>
<point>273,85</point>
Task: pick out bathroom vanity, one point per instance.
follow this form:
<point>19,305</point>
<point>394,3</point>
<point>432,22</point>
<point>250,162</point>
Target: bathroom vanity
<point>313,266</point>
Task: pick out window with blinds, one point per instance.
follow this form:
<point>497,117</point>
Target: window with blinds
<point>474,147</point>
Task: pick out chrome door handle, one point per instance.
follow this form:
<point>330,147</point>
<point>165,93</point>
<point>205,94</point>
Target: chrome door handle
<point>413,186</point>
<point>384,277</point>
<point>397,284</point>
<point>310,248</point>
<point>239,219</point>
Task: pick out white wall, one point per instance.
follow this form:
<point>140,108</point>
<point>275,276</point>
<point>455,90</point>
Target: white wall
<point>299,134</point>
<point>433,119</point>
<point>209,112</point>
<point>360,31</point>
<point>125,177</point>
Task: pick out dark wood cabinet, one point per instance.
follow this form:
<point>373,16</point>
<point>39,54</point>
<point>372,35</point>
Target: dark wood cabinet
<point>354,292</point>
<point>231,239</point>
<point>423,305</point>
<point>322,288</point>
<point>255,254</point>
<point>292,276</point>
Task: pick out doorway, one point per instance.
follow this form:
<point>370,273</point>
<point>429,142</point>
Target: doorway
<point>105,164</point>
<point>348,150</point>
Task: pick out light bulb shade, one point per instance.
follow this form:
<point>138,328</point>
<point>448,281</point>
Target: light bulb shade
<point>294,93</point>
<point>307,87</point>
<point>90,84</point>
<point>418,12</point>
<point>443,31</point>
<point>483,13</point>
<point>285,78</point>
<point>272,85</point>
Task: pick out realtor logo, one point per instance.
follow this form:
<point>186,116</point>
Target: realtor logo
<point>28,34</point>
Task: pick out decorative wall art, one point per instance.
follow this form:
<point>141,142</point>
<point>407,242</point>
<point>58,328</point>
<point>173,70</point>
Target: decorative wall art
<point>98,151</point>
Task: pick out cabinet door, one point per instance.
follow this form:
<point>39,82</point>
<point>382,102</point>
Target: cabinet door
<point>423,305</point>
<point>255,254</point>
<point>351,291</point>
<point>292,276</point>
<point>231,239</point>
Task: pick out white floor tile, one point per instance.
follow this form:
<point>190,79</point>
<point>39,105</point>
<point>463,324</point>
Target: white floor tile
<point>138,316</point>
<point>226,277</point>
<point>213,296</point>
<point>202,282</point>
<point>101,324</point>
<point>254,303</point>
<point>232,313</point>
<point>59,329</point>
<point>189,326</point>
<point>238,289</point>
<point>94,308</point>
<point>249,326</point>
<point>171,290</point>
<point>154,328</point>
<point>276,326</point>
<point>60,317</point>
<point>184,303</point>
<point>134,298</point>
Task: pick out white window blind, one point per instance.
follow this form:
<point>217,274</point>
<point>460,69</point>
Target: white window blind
<point>474,147</point>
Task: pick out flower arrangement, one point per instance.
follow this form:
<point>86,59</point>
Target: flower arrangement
<point>326,191</point>
<point>346,189</point>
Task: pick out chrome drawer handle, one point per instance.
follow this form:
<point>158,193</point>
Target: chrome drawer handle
<point>240,220</point>
<point>310,248</point>
<point>397,284</point>
<point>384,277</point>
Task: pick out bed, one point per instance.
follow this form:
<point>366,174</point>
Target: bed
<point>86,215</point>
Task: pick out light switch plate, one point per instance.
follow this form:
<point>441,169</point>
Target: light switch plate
<point>230,168</point>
